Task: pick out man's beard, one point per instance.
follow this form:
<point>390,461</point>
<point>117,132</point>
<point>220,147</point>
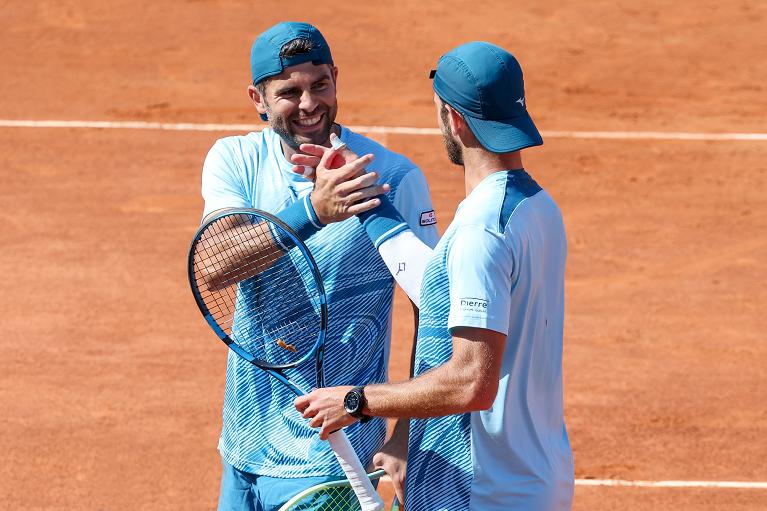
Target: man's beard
<point>454,149</point>
<point>282,127</point>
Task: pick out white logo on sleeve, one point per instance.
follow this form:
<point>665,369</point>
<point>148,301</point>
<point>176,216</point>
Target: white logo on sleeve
<point>428,218</point>
<point>521,101</point>
<point>473,305</point>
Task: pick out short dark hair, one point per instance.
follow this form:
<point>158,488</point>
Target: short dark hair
<point>296,47</point>
<point>290,49</point>
<point>261,86</point>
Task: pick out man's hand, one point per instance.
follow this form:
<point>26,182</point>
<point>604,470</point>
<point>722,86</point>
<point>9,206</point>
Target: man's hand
<point>393,457</point>
<point>325,408</point>
<point>342,187</point>
<point>310,156</point>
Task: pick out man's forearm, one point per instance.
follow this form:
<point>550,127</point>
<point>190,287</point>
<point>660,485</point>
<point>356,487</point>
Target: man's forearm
<point>237,243</point>
<point>444,390</point>
<point>406,256</point>
<point>465,383</point>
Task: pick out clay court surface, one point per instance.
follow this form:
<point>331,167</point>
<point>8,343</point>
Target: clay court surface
<point>111,384</point>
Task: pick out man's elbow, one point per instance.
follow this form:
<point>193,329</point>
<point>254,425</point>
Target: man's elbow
<point>211,280</point>
<point>480,395</point>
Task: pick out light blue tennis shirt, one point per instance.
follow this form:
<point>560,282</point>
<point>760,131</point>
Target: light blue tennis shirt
<point>262,432</point>
<point>499,266</point>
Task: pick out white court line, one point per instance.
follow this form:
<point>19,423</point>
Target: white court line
<point>394,130</point>
<point>654,135</point>
<point>673,484</point>
<point>659,484</point>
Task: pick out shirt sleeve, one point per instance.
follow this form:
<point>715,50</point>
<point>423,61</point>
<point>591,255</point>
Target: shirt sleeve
<point>222,184</point>
<point>413,201</point>
<point>479,266</point>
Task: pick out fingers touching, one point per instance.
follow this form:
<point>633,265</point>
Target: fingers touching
<point>324,409</point>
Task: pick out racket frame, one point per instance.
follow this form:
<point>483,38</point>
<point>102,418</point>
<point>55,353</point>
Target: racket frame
<point>368,498</point>
<point>275,369</point>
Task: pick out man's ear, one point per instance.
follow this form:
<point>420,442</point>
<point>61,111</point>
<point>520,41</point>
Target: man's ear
<point>457,123</point>
<point>257,99</point>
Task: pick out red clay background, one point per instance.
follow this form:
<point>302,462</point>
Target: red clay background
<point>110,383</point>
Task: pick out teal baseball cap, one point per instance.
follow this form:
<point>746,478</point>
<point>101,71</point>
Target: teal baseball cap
<point>265,59</point>
<point>484,83</point>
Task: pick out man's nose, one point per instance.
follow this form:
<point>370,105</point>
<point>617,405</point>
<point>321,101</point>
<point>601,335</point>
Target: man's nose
<point>308,101</point>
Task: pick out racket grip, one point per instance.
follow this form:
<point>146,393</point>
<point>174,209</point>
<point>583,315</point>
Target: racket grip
<point>355,472</point>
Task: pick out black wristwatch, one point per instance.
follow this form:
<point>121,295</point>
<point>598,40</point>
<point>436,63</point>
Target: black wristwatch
<point>355,402</point>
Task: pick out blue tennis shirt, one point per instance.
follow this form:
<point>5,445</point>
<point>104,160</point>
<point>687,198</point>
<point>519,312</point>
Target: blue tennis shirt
<point>499,266</point>
<point>262,432</point>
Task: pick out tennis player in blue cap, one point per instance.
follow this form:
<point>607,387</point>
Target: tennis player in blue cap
<point>269,451</point>
<point>487,429</point>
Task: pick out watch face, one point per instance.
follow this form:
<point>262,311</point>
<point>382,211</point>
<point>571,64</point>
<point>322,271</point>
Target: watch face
<point>352,402</point>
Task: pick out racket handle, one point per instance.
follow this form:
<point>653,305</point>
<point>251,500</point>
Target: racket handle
<point>355,472</point>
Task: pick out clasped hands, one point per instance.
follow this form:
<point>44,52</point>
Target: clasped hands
<point>342,186</point>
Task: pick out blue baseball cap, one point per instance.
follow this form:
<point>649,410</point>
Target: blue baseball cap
<point>484,83</point>
<point>265,60</point>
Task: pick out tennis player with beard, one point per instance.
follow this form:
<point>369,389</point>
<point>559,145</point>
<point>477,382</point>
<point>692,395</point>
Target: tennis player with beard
<point>269,452</point>
<point>487,429</point>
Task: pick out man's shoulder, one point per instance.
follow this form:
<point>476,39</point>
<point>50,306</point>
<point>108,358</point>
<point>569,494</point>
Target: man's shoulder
<point>480,209</point>
<point>253,142</point>
<point>386,160</point>
<point>253,138</point>
<point>497,199</point>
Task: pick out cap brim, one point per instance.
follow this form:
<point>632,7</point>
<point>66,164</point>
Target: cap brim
<point>506,135</point>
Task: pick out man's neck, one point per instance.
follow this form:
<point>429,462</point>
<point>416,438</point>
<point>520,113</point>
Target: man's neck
<point>479,163</point>
<point>287,151</point>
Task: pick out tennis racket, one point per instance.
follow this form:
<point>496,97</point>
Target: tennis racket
<point>261,292</point>
<point>331,496</point>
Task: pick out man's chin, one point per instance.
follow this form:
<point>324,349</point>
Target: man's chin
<point>295,140</point>
<point>319,138</point>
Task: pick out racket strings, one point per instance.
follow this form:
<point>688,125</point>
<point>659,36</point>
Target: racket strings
<point>340,498</point>
<point>264,298</point>
<point>224,248</point>
<point>333,496</point>
<point>213,256</point>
